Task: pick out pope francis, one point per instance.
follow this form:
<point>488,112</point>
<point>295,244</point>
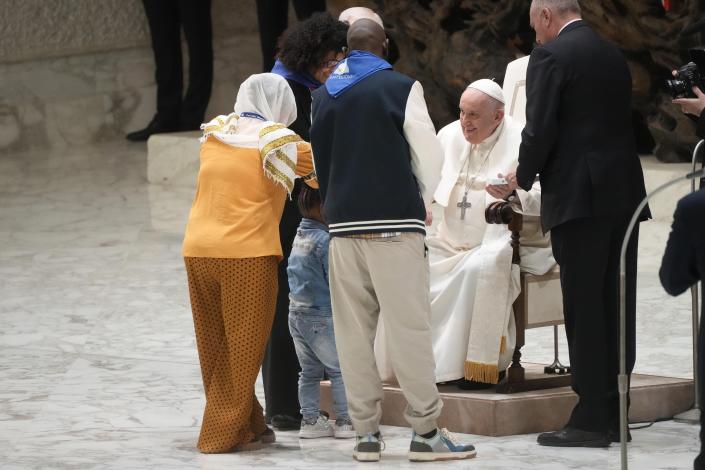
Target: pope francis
<point>473,280</point>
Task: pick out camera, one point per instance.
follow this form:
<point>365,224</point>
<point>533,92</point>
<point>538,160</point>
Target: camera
<point>688,76</point>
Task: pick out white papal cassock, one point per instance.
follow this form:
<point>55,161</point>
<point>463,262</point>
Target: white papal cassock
<point>473,280</point>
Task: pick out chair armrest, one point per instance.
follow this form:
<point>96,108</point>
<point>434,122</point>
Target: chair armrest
<point>502,212</point>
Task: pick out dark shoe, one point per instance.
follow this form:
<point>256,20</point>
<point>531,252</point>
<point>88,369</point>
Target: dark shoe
<point>268,436</point>
<point>254,444</point>
<point>463,384</point>
<point>571,437</point>
<point>190,126</point>
<point>285,423</point>
<point>613,435</point>
<point>157,126</point>
<point>368,448</point>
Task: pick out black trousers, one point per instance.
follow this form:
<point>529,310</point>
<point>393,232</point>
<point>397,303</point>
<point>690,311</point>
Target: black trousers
<point>588,252</point>
<point>273,16</point>
<point>700,460</point>
<point>165,18</point>
<point>280,369</point>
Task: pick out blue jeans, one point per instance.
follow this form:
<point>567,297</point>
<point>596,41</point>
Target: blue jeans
<point>315,347</point>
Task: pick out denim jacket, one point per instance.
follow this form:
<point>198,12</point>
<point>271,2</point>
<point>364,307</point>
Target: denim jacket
<point>308,270</point>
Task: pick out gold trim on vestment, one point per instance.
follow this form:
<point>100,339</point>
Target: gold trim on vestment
<point>485,373</point>
<point>503,345</point>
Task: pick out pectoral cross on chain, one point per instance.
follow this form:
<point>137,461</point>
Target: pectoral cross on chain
<point>464,205</point>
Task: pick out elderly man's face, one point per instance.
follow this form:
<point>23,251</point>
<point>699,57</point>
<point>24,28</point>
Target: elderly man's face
<point>479,115</point>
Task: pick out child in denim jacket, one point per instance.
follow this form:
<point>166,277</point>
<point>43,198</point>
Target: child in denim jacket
<point>311,323</point>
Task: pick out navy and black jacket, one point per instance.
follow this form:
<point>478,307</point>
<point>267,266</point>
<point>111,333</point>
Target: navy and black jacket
<point>376,155</point>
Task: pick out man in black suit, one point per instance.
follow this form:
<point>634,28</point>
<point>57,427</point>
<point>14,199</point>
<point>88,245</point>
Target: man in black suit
<point>684,265</point>
<point>579,139</point>
<point>176,111</point>
<point>273,17</point>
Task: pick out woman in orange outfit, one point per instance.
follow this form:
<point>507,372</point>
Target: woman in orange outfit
<point>249,161</point>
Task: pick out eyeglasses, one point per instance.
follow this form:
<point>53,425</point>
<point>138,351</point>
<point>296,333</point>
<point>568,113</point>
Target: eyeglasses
<point>329,64</point>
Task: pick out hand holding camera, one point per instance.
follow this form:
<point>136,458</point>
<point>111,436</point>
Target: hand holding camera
<point>688,82</point>
<point>693,106</point>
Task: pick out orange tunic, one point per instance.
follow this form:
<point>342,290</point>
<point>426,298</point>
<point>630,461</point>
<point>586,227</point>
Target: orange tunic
<point>237,208</point>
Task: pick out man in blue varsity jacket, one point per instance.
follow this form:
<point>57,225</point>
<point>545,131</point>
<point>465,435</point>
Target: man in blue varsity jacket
<point>378,163</point>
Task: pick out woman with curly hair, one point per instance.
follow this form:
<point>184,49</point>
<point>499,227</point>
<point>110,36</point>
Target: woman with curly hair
<point>309,52</point>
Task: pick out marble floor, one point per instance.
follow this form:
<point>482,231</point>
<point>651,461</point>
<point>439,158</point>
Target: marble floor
<point>98,365</point>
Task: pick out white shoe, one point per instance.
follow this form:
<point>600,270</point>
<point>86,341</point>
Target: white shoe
<point>315,429</point>
<point>344,429</point>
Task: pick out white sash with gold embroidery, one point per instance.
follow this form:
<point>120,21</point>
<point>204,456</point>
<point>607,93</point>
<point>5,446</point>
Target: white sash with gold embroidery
<point>277,146</point>
<point>276,143</point>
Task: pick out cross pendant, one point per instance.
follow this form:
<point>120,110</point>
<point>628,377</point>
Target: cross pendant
<point>463,205</point>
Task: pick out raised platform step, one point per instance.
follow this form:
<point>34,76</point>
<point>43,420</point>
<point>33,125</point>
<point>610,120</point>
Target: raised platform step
<point>487,413</point>
<point>172,159</point>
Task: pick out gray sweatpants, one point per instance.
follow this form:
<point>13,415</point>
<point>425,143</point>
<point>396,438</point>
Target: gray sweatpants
<point>387,277</point>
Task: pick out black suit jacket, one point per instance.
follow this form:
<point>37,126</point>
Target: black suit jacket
<point>684,260</point>
<point>578,135</point>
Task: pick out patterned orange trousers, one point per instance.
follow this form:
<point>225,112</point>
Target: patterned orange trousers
<point>233,301</point>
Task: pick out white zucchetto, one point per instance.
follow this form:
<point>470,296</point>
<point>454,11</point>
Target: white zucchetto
<point>488,87</point>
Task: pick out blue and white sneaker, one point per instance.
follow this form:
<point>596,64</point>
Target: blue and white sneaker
<point>368,448</point>
<point>442,446</point>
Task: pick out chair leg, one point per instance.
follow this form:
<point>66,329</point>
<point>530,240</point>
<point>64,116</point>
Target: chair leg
<point>515,373</point>
<point>556,367</point>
